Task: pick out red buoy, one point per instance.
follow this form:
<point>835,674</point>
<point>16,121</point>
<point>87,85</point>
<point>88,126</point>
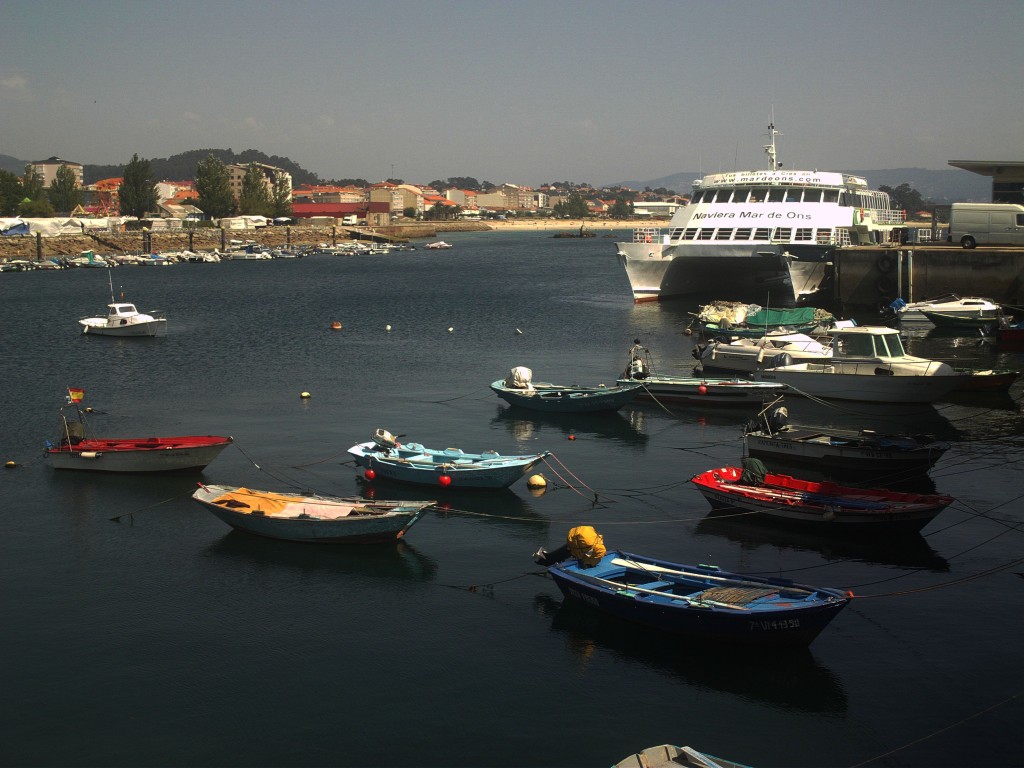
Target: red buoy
<point>370,474</point>
<point>445,480</point>
<point>572,437</point>
<point>702,390</point>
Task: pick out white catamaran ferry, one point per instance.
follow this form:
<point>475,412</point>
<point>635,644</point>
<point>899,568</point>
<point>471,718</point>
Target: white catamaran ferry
<point>758,236</point>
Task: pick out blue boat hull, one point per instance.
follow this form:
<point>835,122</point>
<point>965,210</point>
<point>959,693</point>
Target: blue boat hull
<point>768,622</point>
<point>463,471</point>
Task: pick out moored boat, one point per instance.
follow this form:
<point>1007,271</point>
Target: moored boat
<point>950,311</point>
<point>124,320</point>
<point>75,448</point>
<point>692,389</point>
<point>772,437</point>
<point>736,319</point>
<point>827,506</point>
<point>311,517</point>
<point>758,235</point>
<point>868,364</point>
<point>747,355</point>
<point>519,390</point>
<point>671,756</point>
<point>700,601</point>
<point>453,468</point>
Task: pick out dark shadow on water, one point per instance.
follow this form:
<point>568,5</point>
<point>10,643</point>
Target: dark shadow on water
<point>789,679</point>
<point>398,560</point>
<point>624,426</point>
<point>906,550</point>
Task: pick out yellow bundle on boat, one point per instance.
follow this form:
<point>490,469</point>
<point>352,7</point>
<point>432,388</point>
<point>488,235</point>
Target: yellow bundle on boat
<point>586,545</point>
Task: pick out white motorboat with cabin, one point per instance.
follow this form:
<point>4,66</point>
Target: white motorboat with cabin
<point>124,319</point>
<point>950,310</point>
<point>868,364</point>
<point>764,236</point>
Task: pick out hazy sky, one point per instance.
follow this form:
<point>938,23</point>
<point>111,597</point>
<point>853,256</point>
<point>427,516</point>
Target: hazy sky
<point>522,91</point>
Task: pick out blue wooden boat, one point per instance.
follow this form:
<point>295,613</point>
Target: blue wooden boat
<point>701,601</point>
<point>386,458</point>
<point>519,390</point>
<point>671,756</point>
<point>310,518</point>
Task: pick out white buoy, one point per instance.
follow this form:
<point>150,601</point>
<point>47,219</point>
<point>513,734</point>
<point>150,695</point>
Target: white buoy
<point>388,328</point>
<point>450,329</point>
<point>305,395</point>
<point>518,332</point>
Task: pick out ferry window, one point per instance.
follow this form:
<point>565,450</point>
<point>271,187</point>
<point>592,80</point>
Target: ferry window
<point>758,195</point>
<point>705,234</point>
<point>782,234</point>
<point>831,196</point>
<point>812,195</point>
<point>763,233</point>
<point>776,195</point>
<point>743,234</point>
<point>723,234</point>
<point>675,234</point>
<point>804,234</point>
<point>793,195</point>
<point>690,234</point>
<point>740,196</point>
<point>824,236</point>
<point>697,197</point>
<point>723,196</point>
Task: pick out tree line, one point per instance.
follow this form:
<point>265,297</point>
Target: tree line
<point>137,193</point>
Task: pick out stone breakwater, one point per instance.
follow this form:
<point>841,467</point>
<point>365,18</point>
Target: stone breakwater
<point>32,248</point>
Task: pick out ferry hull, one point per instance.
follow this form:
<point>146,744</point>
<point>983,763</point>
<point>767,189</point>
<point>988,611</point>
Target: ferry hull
<point>657,271</point>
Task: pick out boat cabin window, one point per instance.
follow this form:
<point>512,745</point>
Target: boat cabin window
<point>812,195</point>
<point>793,195</point>
<point>782,234</point>
<point>777,195</point>
<point>740,195</point>
<point>830,196</point>
<point>690,234</point>
<point>723,234</point>
<point>889,345</point>
<point>697,197</point>
<point>762,233</point>
<point>856,345</point>
<point>705,234</point>
<point>744,234</point>
<point>723,196</point>
<point>824,236</point>
<point>804,235</point>
<point>758,195</point>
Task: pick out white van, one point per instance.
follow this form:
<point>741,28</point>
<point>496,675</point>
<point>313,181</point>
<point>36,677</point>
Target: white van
<point>971,224</point>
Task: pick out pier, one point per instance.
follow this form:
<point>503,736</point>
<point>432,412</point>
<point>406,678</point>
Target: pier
<point>877,275</point>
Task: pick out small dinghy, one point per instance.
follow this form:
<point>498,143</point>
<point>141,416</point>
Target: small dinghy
<point>520,390</point>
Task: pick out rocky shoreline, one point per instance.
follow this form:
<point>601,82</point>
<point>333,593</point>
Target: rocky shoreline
<point>34,248</point>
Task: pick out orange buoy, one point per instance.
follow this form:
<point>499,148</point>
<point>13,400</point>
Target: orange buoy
<point>336,325</point>
<point>702,390</point>
<point>445,480</point>
<point>370,474</point>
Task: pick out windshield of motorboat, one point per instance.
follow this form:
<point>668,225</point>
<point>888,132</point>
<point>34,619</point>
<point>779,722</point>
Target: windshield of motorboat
<point>889,345</point>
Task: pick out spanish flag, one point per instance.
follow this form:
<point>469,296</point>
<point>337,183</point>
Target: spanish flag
<point>76,395</point>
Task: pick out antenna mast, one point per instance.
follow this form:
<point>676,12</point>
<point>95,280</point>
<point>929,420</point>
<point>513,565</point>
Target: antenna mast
<point>773,158</point>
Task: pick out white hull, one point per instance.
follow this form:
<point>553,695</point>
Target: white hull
<point>823,380</point>
<point>168,460</point>
<point>157,327</point>
<point>657,271</point>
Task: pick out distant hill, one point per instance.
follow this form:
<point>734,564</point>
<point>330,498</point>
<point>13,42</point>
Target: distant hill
<point>181,167</point>
<point>942,187</point>
<point>12,164</point>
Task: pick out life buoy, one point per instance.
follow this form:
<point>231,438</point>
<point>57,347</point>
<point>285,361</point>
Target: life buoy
<point>885,263</point>
<point>886,285</point>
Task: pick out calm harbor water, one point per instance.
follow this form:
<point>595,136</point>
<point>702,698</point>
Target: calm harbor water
<point>166,639</point>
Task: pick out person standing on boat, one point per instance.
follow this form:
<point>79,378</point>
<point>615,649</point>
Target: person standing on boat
<point>583,542</point>
<point>635,368</point>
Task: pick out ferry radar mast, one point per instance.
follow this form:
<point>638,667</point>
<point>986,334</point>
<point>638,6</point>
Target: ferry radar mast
<point>773,158</point>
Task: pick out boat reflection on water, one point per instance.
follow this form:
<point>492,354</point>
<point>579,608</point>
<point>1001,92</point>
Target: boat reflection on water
<point>501,506</point>
<point>393,561</point>
<point>794,680</point>
<point>752,533</point>
<point>625,426</point>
